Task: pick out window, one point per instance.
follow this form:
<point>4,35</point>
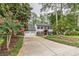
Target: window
<point>49,27</point>
<point>41,27</point>
<point>38,27</point>
<point>45,27</point>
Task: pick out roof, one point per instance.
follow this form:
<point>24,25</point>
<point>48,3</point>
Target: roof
<point>43,25</point>
<point>31,27</point>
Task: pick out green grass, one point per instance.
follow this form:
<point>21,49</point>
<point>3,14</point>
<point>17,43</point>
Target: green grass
<point>77,37</point>
<point>14,51</point>
<point>1,41</point>
<point>56,39</point>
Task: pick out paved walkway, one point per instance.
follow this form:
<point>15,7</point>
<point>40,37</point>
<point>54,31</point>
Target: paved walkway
<point>37,46</point>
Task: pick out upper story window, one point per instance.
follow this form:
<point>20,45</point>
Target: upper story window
<point>41,27</point>
<point>38,27</point>
<point>44,27</point>
<point>49,27</point>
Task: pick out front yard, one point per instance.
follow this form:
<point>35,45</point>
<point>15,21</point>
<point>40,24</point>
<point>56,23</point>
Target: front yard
<point>69,40</point>
<point>1,41</point>
<point>14,46</point>
<point>77,37</point>
<point>14,51</point>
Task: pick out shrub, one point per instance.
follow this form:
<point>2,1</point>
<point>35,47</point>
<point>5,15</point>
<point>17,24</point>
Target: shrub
<point>14,51</point>
<point>56,39</point>
<point>1,41</point>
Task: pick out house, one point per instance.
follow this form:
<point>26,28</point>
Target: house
<point>43,29</point>
<point>39,29</point>
<point>31,31</point>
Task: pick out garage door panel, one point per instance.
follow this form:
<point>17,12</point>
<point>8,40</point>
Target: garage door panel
<point>30,33</point>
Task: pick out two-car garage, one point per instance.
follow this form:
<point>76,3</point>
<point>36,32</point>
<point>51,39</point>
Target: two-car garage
<point>30,33</point>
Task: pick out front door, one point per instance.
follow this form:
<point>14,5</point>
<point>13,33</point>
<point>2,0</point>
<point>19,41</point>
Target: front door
<point>45,32</point>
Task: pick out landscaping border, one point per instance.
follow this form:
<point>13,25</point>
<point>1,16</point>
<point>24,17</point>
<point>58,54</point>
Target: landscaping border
<point>56,39</point>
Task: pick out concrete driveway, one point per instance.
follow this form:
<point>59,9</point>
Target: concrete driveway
<point>37,46</point>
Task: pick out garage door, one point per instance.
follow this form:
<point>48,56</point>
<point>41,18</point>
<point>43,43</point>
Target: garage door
<point>30,33</point>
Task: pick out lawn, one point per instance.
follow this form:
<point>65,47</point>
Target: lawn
<point>59,40</point>
<point>1,41</point>
<point>77,37</point>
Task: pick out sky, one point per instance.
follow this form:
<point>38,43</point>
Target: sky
<point>36,8</point>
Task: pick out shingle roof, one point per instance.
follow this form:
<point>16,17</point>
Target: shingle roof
<point>43,24</point>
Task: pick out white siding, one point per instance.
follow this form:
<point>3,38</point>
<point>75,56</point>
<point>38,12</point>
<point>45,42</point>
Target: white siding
<point>39,30</point>
<point>50,30</point>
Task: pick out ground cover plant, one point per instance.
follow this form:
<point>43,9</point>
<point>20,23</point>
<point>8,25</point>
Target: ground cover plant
<point>64,40</point>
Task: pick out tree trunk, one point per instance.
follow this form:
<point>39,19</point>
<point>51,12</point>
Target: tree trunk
<point>56,13</point>
<point>8,41</point>
<point>75,14</point>
<point>26,25</point>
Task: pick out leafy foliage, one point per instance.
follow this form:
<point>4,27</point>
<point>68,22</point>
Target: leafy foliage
<point>16,11</point>
<point>21,11</point>
<point>14,51</point>
<point>63,24</point>
<point>9,25</point>
<point>56,39</point>
<point>1,41</point>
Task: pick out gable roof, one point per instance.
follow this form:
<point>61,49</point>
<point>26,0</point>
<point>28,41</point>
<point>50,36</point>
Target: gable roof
<point>48,25</point>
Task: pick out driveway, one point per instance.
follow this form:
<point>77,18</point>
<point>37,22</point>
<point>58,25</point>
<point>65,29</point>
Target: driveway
<point>37,46</point>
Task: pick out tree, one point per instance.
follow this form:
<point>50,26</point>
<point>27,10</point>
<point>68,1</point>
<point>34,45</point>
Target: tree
<point>58,19</point>
<point>57,8</point>
<point>74,10</point>
<point>17,11</point>
<point>47,6</point>
<point>14,17</point>
<point>34,18</point>
<point>9,29</point>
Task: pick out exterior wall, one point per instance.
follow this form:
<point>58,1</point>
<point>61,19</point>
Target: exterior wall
<point>41,31</point>
<point>50,30</point>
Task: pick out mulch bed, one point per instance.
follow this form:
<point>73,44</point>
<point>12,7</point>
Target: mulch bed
<point>13,42</point>
<point>3,50</point>
<point>69,39</point>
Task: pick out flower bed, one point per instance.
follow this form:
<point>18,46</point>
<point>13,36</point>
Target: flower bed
<point>71,38</point>
<point>68,41</point>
